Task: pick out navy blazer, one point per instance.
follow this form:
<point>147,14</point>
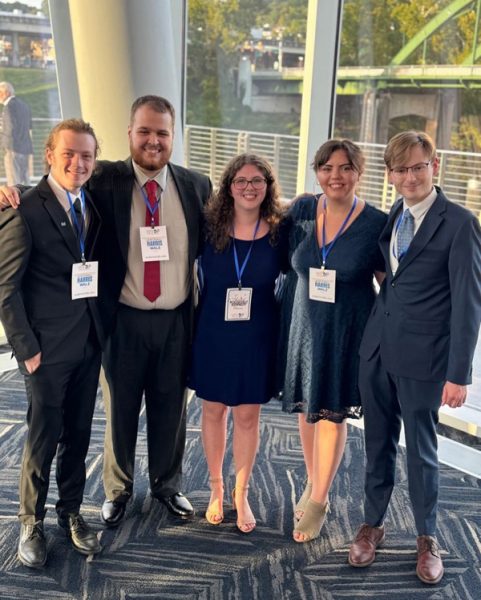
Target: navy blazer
<point>425,321</point>
<point>17,123</point>
<point>38,247</point>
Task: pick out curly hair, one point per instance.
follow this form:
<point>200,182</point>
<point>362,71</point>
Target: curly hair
<point>219,211</point>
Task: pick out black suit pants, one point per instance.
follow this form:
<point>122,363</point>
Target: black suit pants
<point>387,401</point>
<point>145,354</point>
<point>61,402</point>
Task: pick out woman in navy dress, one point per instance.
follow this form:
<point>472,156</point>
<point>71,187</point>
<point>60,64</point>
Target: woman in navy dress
<point>234,349</point>
<point>327,297</point>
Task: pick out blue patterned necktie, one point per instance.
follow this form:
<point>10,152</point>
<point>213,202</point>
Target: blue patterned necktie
<point>405,234</point>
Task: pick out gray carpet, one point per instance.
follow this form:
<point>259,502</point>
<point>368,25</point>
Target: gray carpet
<point>153,556</point>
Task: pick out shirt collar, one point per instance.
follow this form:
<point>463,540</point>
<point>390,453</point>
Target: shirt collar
<point>60,193</point>
<point>7,100</point>
<point>142,177</point>
<point>421,208</point>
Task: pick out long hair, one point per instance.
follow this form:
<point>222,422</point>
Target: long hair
<point>219,211</point>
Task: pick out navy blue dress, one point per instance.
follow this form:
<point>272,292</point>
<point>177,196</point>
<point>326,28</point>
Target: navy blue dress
<point>319,342</point>
<point>233,362</point>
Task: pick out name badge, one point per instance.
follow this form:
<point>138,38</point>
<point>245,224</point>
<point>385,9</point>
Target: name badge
<point>153,241</point>
<point>238,304</point>
<point>85,278</point>
<point>322,285</point>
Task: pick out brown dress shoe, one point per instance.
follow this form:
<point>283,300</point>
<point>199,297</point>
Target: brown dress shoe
<point>430,566</point>
<point>363,549</point>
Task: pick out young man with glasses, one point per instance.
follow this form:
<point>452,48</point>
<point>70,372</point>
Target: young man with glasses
<point>418,345</point>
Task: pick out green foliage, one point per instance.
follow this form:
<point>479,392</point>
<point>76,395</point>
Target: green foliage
<point>38,87</point>
<point>217,29</point>
<point>10,7</point>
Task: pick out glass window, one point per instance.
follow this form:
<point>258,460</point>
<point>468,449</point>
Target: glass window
<point>412,65</point>
<point>27,61</point>
<point>245,63</point>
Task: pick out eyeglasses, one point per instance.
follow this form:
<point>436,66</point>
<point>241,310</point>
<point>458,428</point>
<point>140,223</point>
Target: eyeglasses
<point>416,170</point>
<point>241,183</point>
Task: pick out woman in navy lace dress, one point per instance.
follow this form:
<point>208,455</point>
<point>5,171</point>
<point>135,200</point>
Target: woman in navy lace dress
<point>327,297</point>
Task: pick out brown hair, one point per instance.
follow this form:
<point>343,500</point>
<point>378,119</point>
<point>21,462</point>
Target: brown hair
<point>157,103</point>
<point>219,211</point>
<point>353,152</point>
<point>76,125</point>
<point>401,144</point>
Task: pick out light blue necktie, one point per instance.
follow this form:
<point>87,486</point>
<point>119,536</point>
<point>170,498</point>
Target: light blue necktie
<point>405,234</point>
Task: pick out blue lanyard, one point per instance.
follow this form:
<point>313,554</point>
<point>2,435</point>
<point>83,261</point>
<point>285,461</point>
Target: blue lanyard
<point>326,248</point>
<point>150,208</point>
<point>240,270</point>
<point>78,226</point>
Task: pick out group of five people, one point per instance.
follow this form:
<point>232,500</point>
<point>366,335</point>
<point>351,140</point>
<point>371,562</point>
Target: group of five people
<point>103,259</point>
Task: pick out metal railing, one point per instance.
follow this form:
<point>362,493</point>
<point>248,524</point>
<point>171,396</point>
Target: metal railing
<point>208,150</point>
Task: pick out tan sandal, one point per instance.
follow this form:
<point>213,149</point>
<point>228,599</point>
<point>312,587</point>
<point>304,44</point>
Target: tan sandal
<point>214,513</point>
<point>247,526</point>
<point>301,505</point>
<point>312,520</point>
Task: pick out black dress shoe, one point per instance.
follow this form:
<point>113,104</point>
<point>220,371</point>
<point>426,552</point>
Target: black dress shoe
<point>112,512</point>
<point>83,538</point>
<point>32,547</point>
<point>178,505</point>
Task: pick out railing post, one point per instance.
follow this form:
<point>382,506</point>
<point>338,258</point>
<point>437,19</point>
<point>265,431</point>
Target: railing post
<point>442,168</point>
<point>187,132</point>
<point>213,153</point>
<point>277,153</point>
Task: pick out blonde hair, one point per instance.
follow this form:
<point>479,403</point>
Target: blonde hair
<point>399,147</point>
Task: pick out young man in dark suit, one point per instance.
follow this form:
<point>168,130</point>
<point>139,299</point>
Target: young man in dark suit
<point>48,309</point>
<point>147,303</point>
<point>418,345</point>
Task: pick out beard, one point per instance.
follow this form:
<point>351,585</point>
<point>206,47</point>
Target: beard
<point>150,163</point>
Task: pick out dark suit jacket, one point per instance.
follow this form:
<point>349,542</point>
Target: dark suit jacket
<point>111,188</point>
<point>37,250</point>
<point>17,123</point>
<point>426,318</point>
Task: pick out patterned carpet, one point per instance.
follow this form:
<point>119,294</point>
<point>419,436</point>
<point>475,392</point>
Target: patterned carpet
<point>153,556</point>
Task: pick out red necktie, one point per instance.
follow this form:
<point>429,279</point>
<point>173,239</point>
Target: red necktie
<point>152,268</point>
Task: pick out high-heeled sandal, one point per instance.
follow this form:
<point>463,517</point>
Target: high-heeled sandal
<point>312,520</point>
<point>301,505</point>
<point>214,513</point>
<point>247,526</point>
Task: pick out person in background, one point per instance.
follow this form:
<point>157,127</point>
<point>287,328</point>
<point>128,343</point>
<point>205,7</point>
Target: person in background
<point>16,135</point>
<point>48,307</point>
<point>418,346</point>
<point>327,296</point>
<point>233,364</point>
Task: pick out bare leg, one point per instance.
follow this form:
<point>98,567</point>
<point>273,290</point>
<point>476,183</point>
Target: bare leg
<point>246,442</point>
<point>329,443</point>
<point>306,431</point>
<point>214,434</point>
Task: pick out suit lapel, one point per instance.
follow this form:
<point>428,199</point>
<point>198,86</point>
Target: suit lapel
<point>431,222</point>
<point>186,192</point>
<point>59,217</point>
<point>386,233</point>
<point>94,226</point>
<point>122,185</point>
